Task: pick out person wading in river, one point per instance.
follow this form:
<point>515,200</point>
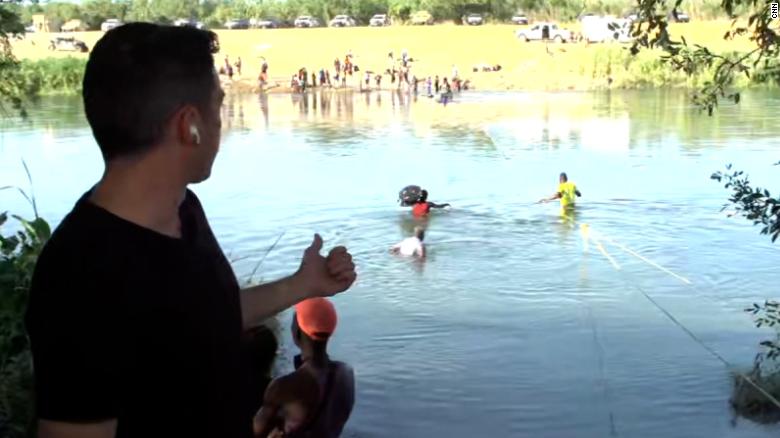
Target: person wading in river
<point>135,316</point>
<point>411,246</point>
<point>422,207</point>
<point>566,193</point>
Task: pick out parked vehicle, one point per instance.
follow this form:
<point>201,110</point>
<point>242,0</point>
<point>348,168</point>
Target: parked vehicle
<point>268,23</point>
<point>237,23</point>
<point>74,25</point>
<point>109,24</point>
<point>342,21</point>
<point>379,20</point>
<point>585,16</point>
<point>306,21</point>
<point>68,44</point>
<point>30,29</point>
<point>422,18</point>
<point>544,32</point>
<point>606,29</point>
<point>181,22</point>
<point>474,20</point>
<point>520,19</point>
<point>681,17</point>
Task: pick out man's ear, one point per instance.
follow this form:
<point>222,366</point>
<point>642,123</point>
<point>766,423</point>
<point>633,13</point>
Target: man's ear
<point>187,122</point>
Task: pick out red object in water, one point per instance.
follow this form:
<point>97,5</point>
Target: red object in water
<point>421,209</point>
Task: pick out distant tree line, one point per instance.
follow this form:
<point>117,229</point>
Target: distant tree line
<point>214,13</point>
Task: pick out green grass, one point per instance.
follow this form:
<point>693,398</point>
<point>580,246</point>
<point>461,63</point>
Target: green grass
<point>52,76</point>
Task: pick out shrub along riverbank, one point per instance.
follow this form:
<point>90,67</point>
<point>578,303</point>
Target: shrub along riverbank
<point>50,76</point>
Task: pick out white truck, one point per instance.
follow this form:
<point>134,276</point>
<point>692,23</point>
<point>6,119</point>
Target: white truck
<point>379,20</point>
<point>342,21</point>
<point>306,21</point>
<point>544,32</point>
<point>109,24</point>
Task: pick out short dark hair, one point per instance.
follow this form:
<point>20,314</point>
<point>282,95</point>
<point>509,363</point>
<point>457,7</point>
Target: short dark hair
<point>261,344</point>
<point>138,75</point>
<point>423,196</point>
<point>564,177</point>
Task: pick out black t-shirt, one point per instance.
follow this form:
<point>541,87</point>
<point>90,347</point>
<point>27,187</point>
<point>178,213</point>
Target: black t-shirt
<point>131,324</point>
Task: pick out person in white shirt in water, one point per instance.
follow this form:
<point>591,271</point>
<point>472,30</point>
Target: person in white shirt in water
<point>411,246</point>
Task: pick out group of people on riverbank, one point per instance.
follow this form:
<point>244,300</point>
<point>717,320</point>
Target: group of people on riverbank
<point>229,69</point>
<point>398,73</point>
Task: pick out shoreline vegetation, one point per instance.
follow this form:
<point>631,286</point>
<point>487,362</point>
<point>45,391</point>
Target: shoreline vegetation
<point>435,50</point>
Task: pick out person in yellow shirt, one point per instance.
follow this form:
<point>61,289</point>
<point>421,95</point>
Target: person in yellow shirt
<point>566,193</point>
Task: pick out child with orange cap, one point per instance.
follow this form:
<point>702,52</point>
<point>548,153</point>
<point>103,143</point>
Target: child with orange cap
<point>317,398</point>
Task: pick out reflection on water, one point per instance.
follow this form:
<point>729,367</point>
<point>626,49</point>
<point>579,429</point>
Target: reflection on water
<point>510,327</point>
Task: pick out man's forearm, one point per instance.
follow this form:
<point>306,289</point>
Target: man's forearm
<point>263,301</point>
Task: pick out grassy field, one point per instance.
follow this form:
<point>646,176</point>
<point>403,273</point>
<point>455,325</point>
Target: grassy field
<point>435,49</point>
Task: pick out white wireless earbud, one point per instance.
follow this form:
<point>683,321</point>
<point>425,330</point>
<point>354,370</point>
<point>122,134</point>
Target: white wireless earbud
<point>195,134</point>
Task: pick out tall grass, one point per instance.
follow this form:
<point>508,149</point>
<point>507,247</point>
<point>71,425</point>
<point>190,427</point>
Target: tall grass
<point>51,76</point>
<point>616,66</point>
<point>18,254</point>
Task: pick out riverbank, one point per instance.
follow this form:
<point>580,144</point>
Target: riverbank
<point>436,50</point>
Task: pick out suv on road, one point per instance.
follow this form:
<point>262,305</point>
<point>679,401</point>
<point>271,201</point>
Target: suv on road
<point>422,18</point>
<point>110,24</point>
<point>306,21</point>
<point>379,20</point>
<point>474,20</point>
<point>342,21</point>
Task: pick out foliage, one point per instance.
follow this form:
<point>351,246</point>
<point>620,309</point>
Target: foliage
<point>52,75</point>
<point>758,205</point>
<point>768,314</point>
<point>746,400</point>
<point>12,89</point>
<point>95,12</point>
<point>18,254</point>
<point>755,204</point>
<point>652,31</point>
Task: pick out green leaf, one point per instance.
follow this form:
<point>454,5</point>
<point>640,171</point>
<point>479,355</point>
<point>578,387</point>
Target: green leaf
<point>42,229</point>
<point>25,223</point>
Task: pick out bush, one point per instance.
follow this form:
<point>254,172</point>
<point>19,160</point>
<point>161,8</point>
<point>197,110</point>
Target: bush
<point>52,75</point>
<point>18,254</point>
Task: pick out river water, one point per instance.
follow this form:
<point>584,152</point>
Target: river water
<point>515,325</point>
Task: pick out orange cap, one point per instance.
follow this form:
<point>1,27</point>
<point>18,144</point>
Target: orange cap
<point>317,318</point>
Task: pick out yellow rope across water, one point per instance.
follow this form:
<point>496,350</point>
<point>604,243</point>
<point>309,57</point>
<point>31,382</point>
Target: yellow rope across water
<point>587,234</point>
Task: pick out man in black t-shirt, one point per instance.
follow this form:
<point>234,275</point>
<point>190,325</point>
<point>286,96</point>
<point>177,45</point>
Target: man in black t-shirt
<point>135,316</point>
